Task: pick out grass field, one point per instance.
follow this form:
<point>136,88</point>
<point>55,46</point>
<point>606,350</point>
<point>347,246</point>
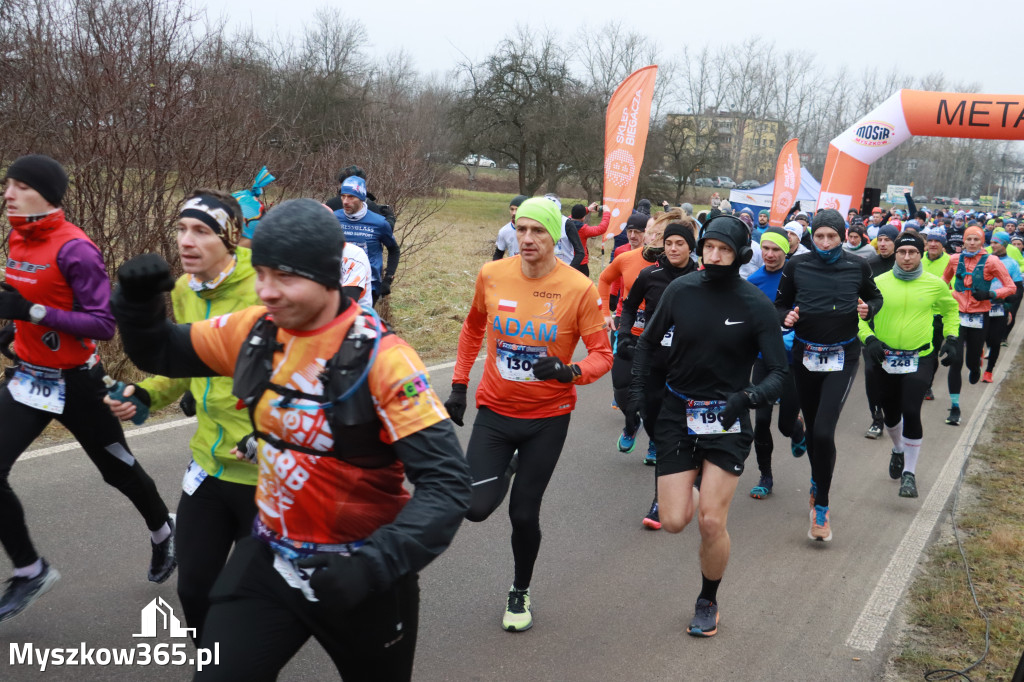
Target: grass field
<point>945,629</point>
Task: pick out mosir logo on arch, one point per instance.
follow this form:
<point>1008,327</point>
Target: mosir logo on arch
<point>874,133</point>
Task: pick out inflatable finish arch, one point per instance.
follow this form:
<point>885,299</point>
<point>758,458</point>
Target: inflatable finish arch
<point>908,113</point>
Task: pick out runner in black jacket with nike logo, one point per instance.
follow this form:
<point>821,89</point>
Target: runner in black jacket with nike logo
<point>821,295</point>
<point>720,323</point>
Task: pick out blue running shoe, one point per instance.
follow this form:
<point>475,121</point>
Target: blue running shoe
<point>651,458</point>
<point>763,488</point>
<point>821,528</point>
<point>799,448</point>
<point>705,619</point>
<point>626,441</point>
<point>814,493</point>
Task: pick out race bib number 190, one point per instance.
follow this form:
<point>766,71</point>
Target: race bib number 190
<point>515,360</point>
<point>704,417</point>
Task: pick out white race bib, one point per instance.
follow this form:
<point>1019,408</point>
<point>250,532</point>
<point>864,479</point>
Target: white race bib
<point>194,476</point>
<point>824,358</point>
<point>641,320</point>
<point>997,310</point>
<point>45,394</point>
<point>515,360</point>
<point>704,417</point>
<point>972,320</point>
<point>667,339</point>
<point>900,361</point>
<point>294,576</point>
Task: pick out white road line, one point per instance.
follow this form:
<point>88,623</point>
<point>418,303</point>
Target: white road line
<point>143,430</point>
<point>878,610</point>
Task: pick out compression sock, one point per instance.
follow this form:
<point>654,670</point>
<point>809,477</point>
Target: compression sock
<point>160,534</point>
<point>30,571</point>
<point>709,589</point>
<point>955,398</point>
<point>913,449</point>
<point>896,434</point>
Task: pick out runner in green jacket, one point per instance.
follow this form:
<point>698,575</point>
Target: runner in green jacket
<point>217,505</point>
<point>899,338</point>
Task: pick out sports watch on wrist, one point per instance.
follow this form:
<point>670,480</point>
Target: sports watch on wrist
<point>36,313</point>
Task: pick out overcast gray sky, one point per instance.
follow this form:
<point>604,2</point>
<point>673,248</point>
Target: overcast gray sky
<point>966,41</point>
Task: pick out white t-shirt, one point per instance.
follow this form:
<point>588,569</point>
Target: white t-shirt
<point>507,241</point>
<point>355,272</point>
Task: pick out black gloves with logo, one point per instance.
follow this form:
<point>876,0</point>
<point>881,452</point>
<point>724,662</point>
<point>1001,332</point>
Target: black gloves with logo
<point>384,288</point>
<point>950,351</point>
<point>341,581</point>
<point>549,367</point>
<point>735,404</point>
<point>624,348</point>
<point>875,350</point>
<point>144,277</point>
<point>456,403</point>
<point>13,306</point>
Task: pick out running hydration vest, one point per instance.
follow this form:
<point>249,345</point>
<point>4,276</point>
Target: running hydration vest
<point>977,275</point>
<point>354,423</point>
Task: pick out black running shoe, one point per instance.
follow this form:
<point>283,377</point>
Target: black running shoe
<point>908,486</point>
<point>165,558</point>
<point>974,375</point>
<point>895,465</point>
<point>875,430</point>
<point>705,619</point>
<point>954,416</point>
<point>929,395</point>
<point>21,592</point>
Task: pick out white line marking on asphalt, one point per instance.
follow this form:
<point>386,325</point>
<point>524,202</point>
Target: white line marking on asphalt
<point>163,426</point>
<point>874,619</point>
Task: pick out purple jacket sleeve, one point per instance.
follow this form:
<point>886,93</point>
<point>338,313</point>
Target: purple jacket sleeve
<point>82,266</point>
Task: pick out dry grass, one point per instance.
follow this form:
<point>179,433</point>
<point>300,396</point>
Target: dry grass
<point>946,629</point>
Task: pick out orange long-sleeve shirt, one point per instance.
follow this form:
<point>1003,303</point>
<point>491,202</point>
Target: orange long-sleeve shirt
<point>525,319</point>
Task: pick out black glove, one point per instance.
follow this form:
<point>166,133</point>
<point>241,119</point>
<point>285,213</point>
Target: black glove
<point>981,294</point>
<point>734,406</point>
<point>188,404</point>
<point>637,402</point>
<point>384,288</point>
<point>875,350</point>
<point>950,351</point>
<point>144,277</point>
<point>456,403</point>
<point>624,348</point>
<point>549,367</point>
<point>340,581</point>
<point>13,306</point>
<point>142,394</point>
<point>248,446</point>
<point>6,338</point>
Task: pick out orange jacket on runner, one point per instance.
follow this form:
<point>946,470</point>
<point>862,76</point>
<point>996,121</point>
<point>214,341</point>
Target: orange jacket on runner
<point>627,266</point>
<point>994,269</point>
<point>525,319</point>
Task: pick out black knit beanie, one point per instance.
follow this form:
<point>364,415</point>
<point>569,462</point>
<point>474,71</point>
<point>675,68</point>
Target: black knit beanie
<point>300,236</point>
<point>579,212</point>
<point>42,174</point>
<point>829,218</point>
<point>679,230</point>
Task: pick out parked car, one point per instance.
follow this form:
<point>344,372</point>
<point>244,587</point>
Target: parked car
<point>748,184</point>
<point>921,199</point>
<point>968,202</point>
<point>954,201</point>
<point>478,160</point>
<point>704,182</point>
<point>513,166</point>
<point>725,182</point>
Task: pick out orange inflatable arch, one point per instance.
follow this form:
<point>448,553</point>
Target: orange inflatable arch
<point>908,113</point>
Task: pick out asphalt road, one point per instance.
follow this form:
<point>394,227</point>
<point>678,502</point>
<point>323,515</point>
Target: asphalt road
<point>611,599</point>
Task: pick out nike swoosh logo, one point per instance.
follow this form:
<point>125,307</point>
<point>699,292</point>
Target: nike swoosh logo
<point>729,322</point>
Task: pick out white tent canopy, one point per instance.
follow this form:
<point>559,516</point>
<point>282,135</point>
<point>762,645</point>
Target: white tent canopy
<point>761,197</point>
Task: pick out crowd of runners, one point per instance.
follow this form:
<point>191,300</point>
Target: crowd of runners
<point>293,521</point>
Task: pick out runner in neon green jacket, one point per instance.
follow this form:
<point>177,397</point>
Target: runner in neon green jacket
<point>220,424</point>
<point>899,340</point>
